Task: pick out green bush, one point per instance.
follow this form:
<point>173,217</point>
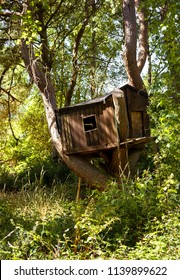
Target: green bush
<point>137,221</point>
<point>162,240</point>
<point>165,113</point>
<point>43,173</point>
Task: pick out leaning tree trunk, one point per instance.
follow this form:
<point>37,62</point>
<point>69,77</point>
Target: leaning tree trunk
<point>81,167</point>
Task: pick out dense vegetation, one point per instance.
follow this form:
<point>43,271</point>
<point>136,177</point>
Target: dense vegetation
<point>40,216</point>
<point>139,222</point>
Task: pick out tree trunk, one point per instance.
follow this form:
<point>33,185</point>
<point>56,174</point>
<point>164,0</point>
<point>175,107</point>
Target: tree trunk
<point>143,35</point>
<point>133,65</point>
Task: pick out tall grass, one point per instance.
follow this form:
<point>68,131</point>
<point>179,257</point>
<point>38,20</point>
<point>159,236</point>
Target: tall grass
<point>140,222</point>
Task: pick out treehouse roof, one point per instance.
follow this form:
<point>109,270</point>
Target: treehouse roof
<point>103,99</point>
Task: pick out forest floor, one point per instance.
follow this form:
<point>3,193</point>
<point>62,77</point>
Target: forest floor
<point>43,223</point>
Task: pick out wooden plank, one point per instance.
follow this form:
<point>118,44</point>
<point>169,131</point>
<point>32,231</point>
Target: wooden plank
<point>136,101</point>
<point>119,164</point>
<point>108,122</point>
<point>137,124</point>
<point>68,132</point>
<point>77,131</point>
<point>90,118</point>
<point>92,149</point>
<point>96,137</point>
<point>58,121</point>
<point>92,137</point>
<point>64,142</point>
<point>65,133</point>
<point>101,124</point>
<point>112,127</point>
<point>137,141</point>
<point>124,162</point>
<point>121,116</point>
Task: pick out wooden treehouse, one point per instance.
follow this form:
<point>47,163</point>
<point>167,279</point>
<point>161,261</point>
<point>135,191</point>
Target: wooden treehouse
<point>114,127</point>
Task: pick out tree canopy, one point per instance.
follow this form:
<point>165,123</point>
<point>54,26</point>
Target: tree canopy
<point>63,52</point>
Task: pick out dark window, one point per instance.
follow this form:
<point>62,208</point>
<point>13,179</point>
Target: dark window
<point>89,123</point>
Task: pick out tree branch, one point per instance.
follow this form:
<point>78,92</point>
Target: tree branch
<point>9,110</point>
<point>143,35</point>
<point>88,13</point>
<point>7,91</point>
<point>130,32</point>
<point>46,58</point>
<point>75,65</point>
<point>53,14</point>
<point>9,94</point>
<point>40,76</point>
<point>3,74</point>
<point>149,67</point>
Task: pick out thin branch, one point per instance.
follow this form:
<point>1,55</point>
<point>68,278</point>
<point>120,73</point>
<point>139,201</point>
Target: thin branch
<point>67,34</point>
<point>105,71</point>
<point>64,36</point>
<point>164,11</point>
<point>149,67</point>
<point>3,74</point>
<point>75,65</point>
<point>9,110</point>
<point>7,91</point>
<point>53,14</point>
<point>77,42</point>
<point>9,94</point>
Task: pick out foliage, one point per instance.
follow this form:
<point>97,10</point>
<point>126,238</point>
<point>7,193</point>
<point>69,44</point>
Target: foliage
<point>140,221</point>
<point>29,158</point>
<point>162,241</point>
<point>39,218</point>
<point>164,111</point>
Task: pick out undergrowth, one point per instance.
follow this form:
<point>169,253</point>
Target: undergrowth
<point>138,221</point>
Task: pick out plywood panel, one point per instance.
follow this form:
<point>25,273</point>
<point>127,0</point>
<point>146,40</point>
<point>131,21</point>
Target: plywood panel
<point>77,131</point>
<point>112,126</point>
<point>101,124</point>
<point>108,126</point>
<point>92,138</point>
<point>64,143</point>
<point>136,100</point>
<point>121,116</point>
<point>137,124</point>
<point>67,140</point>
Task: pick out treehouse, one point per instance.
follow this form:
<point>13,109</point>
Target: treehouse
<point>100,127</point>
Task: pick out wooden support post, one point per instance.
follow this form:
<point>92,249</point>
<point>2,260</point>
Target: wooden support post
<point>78,190</point>
<point>119,165</point>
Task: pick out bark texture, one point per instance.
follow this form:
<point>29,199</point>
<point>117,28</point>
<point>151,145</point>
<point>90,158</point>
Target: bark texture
<point>134,62</point>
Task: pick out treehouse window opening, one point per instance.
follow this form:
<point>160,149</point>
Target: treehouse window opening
<point>89,123</point>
